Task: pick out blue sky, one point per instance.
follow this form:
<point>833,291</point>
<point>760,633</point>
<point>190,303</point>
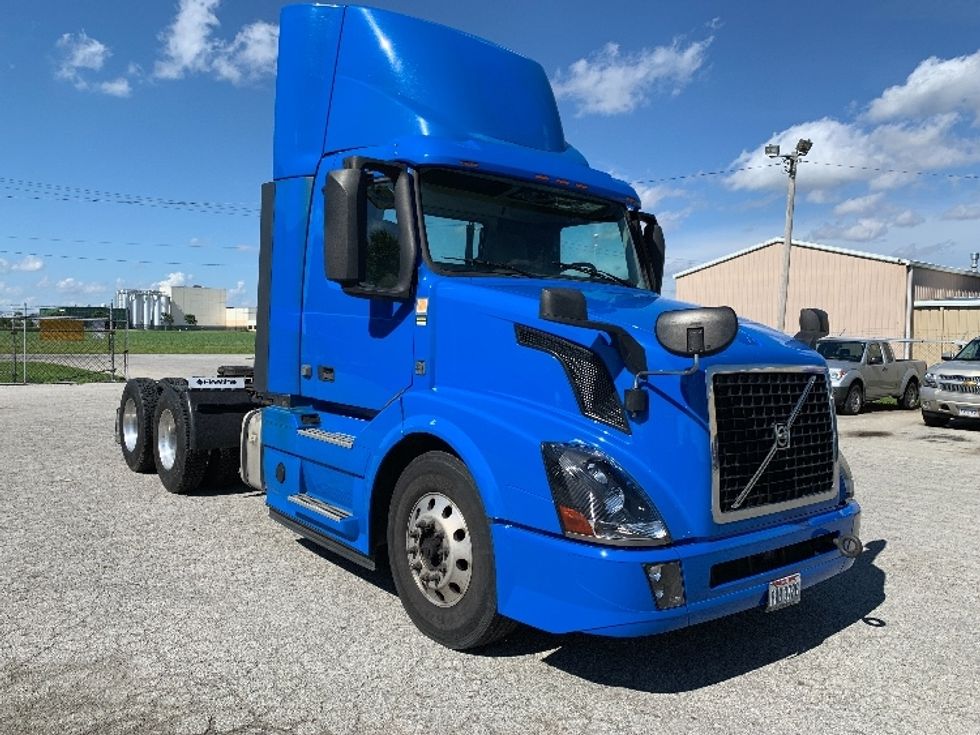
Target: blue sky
<point>136,135</point>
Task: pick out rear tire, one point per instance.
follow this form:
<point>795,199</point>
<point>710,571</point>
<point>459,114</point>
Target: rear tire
<point>854,401</point>
<point>910,398</point>
<point>135,423</point>
<point>180,468</point>
<point>934,419</point>
<point>436,509</point>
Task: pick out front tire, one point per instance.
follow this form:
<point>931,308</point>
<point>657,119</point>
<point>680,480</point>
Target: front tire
<point>910,398</point>
<point>135,423</point>
<point>441,554</point>
<point>854,401</point>
<point>934,419</point>
<point>180,468</point>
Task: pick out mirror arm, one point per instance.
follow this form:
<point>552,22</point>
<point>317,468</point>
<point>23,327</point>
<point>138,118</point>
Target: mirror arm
<point>694,367</point>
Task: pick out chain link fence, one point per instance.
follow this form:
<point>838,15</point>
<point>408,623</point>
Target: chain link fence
<point>60,345</point>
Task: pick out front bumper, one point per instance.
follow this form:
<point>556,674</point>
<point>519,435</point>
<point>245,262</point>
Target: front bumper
<point>948,403</point>
<point>561,586</point>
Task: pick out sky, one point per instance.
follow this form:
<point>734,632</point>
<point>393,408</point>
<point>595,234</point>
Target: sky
<point>136,136</point>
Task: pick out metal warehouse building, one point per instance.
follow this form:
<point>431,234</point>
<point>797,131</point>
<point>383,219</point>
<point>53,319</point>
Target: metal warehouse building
<point>864,294</point>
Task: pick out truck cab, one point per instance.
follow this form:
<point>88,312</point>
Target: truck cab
<point>465,369</point>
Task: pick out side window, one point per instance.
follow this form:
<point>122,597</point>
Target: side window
<point>889,355</point>
<point>453,240</point>
<point>874,354</point>
<point>382,236</point>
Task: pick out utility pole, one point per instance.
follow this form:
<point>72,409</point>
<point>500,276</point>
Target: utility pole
<point>789,161</point>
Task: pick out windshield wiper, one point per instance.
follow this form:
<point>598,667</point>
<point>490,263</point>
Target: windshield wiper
<point>507,267</point>
<point>590,270</point>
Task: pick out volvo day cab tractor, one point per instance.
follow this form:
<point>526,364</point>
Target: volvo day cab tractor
<point>465,370</point>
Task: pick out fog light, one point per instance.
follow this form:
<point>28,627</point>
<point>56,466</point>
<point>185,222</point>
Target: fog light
<point>666,584</point>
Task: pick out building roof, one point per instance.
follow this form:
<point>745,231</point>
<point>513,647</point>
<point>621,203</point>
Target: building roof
<point>829,249</point>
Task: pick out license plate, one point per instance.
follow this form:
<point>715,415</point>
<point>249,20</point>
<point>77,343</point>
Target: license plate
<point>970,413</point>
<point>784,592</point>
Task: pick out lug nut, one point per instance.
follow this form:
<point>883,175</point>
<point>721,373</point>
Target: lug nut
<point>416,566</point>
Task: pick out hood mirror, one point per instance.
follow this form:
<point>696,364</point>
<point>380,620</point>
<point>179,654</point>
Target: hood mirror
<point>697,332</point>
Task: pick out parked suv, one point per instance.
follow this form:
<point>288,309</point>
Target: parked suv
<point>863,370</point>
<point>951,389</point>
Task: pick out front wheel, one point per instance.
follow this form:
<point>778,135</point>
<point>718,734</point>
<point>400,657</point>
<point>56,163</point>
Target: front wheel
<point>854,401</point>
<point>910,398</point>
<point>934,419</point>
<point>441,554</point>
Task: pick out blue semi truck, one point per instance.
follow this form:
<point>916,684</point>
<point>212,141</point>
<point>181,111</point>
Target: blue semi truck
<point>464,368</point>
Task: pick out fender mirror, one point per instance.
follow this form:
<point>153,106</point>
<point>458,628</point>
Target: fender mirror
<point>697,332</point>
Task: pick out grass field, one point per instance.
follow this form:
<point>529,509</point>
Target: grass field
<point>186,342</point>
<point>47,372</point>
<point>138,342</point>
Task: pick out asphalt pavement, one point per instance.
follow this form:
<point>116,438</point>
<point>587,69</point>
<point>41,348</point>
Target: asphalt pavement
<point>124,609</point>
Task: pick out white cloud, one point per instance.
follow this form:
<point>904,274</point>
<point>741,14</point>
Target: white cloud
<point>28,264</point>
<point>118,87</point>
<point>935,86</point>
<point>921,252</point>
<point>190,47</point>
<point>864,230</point>
<point>963,211</point>
<point>178,278</point>
<point>611,83</point>
<point>859,205</point>
<point>652,195</point>
<point>908,218</point>
<point>80,52</point>
<point>82,55</point>
<point>76,287</point>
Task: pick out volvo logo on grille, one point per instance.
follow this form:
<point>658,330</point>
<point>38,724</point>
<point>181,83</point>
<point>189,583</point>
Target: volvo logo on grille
<point>783,438</point>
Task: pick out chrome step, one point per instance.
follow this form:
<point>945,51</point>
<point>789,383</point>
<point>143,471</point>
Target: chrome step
<point>330,437</point>
<point>318,506</point>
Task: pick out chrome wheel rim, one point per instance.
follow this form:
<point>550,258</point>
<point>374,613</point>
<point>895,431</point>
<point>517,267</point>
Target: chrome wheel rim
<point>912,395</point>
<point>130,425</point>
<point>167,439</point>
<point>438,548</point>
<point>855,400</point>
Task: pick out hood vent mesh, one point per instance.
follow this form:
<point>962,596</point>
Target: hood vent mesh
<point>588,375</point>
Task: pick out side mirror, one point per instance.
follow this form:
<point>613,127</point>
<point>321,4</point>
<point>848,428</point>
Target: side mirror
<point>655,245</point>
<point>947,356</point>
<point>345,225</point>
<point>697,332</point>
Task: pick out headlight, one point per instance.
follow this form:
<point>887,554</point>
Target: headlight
<point>597,501</point>
<point>846,478</point>
<point>929,380</point>
<point>838,373</point>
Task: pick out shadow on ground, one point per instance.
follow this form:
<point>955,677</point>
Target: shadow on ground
<point>707,654</point>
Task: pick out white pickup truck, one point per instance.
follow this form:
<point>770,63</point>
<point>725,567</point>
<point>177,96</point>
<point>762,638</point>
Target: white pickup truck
<point>863,370</point>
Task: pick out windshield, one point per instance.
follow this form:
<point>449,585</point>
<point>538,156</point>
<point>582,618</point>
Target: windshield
<point>970,352</point>
<point>844,351</point>
<point>479,224</point>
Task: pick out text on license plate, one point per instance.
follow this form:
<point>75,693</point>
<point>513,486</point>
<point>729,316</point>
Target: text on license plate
<point>973,413</point>
<point>784,592</point>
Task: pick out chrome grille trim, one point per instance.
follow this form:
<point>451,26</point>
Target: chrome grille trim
<point>752,511</point>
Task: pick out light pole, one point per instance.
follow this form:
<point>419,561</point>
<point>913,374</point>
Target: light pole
<point>789,160</point>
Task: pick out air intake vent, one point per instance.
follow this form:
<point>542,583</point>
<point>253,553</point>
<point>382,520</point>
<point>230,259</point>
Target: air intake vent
<point>588,375</point>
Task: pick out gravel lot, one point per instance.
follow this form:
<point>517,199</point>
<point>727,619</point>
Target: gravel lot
<point>128,610</point>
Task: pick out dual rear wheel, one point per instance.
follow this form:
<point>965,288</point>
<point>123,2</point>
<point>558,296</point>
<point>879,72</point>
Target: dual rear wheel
<point>154,427</point>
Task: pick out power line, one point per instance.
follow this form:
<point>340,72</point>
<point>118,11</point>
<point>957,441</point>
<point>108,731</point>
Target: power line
<point>81,241</point>
<point>38,190</point>
<point>935,174</point>
<point>54,256</point>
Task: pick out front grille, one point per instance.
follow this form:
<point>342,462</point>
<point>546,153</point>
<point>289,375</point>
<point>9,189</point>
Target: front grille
<point>959,384</point>
<point>587,374</point>
<point>749,409</point>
